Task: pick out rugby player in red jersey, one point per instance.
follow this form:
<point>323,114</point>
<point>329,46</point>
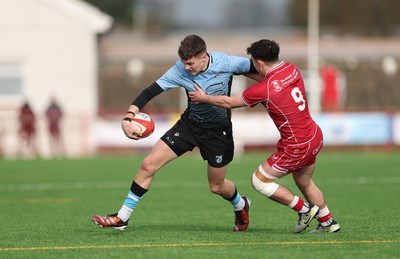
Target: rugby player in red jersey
<point>282,93</point>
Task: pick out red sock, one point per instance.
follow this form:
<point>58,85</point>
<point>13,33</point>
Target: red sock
<point>299,205</point>
<point>325,218</point>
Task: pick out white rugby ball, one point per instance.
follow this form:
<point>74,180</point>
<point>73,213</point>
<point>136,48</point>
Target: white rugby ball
<point>143,124</point>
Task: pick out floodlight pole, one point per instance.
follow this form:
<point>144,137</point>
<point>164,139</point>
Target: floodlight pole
<point>313,56</point>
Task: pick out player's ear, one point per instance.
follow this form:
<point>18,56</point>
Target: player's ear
<point>203,56</point>
<point>260,63</point>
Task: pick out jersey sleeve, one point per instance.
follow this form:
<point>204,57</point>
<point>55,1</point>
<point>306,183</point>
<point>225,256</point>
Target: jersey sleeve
<point>255,94</point>
<point>239,65</point>
<point>169,79</point>
<point>176,77</point>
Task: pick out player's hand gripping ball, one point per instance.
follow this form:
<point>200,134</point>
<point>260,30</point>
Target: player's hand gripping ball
<point>140,126</point>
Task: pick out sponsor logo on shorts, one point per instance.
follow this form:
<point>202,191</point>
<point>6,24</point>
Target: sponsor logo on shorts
<point>170,141</point>
<point>218,159</point>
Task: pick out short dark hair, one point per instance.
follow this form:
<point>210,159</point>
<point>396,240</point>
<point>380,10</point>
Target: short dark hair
<point>265,50</point>
<point>191,46</point>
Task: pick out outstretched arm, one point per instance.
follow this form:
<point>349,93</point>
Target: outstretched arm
<point>229,102</point>
<point>255,76</point>
<point>253,73</point>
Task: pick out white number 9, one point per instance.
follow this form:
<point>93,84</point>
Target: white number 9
<point>298,98</point>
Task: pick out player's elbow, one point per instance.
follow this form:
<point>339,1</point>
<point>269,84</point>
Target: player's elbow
<point>229,105</point>
<point>232,103</point>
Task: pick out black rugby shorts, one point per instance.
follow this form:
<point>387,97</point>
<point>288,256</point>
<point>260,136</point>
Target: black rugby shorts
<point>215,144</point>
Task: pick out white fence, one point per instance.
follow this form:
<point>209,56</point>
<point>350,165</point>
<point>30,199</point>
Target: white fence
<point>257,129</point>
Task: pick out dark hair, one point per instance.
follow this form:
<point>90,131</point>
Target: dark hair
<point>265,50</point>
<point>191,46</point>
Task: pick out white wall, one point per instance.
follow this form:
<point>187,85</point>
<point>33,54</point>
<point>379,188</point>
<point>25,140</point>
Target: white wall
<point>56,46</point>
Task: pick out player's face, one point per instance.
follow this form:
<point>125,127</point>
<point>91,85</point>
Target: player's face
<point>196,64</point>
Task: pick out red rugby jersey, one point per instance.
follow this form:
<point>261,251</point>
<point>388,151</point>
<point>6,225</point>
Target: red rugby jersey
<point>283,94</point>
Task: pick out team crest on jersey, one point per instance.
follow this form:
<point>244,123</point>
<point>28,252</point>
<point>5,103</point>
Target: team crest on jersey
<point>277,86</point>
<point>218,159</point>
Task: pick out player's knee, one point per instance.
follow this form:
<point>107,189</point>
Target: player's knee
<point>148,167</point>
<point>215,188</point>
<point>267,189</point>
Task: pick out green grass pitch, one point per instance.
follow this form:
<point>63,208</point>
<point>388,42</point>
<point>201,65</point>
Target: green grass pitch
<point>45,209</point>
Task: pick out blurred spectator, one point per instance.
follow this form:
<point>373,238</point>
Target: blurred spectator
<point>54,115</point>
<point>2,133</point>
<point>330,89</point>
<point>27,131</point>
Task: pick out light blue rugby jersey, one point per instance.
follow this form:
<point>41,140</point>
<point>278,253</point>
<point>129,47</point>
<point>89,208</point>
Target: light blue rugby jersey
<point>216,80</point>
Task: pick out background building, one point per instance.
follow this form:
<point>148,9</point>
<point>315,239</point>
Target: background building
<point>50,49</point>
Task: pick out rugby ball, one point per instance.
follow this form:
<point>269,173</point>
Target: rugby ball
<point>143,124</point>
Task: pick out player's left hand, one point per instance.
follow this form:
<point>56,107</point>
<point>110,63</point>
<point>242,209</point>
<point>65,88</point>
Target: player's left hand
<point>198,96</point>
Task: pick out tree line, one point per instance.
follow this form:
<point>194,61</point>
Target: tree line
<point>356,17</point>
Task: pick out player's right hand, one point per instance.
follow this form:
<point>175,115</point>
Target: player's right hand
<point>129,130</point>
<point>198,96</point>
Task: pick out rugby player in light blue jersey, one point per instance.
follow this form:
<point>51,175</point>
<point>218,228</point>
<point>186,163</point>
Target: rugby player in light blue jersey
<point>201,125</point>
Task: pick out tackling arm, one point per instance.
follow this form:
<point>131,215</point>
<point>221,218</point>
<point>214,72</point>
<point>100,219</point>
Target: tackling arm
<point>257,77</point>
<point>253,73</point>
<point>229,102</point>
